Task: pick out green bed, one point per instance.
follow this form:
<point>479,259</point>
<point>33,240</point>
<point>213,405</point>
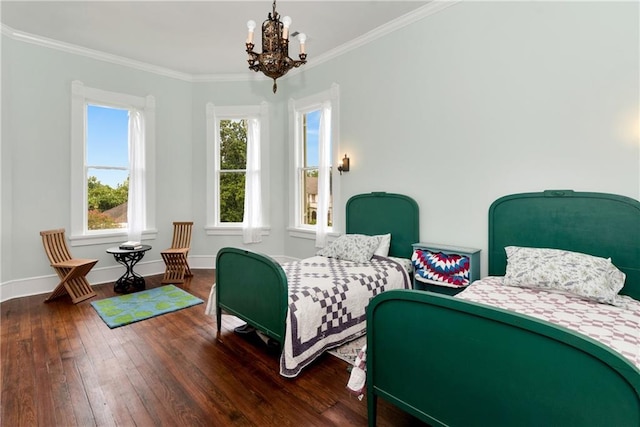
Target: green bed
<point>253,286</point>
<point>474,365</point>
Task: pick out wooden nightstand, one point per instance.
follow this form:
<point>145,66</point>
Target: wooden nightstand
<point>473,273</point>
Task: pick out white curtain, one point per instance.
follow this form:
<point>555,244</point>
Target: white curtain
<point>252,221</point>
<point>136,212</point>
<point>324,172</point>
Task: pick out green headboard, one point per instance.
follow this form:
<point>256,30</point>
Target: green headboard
<point>382,213</point>
<point>599,224</point>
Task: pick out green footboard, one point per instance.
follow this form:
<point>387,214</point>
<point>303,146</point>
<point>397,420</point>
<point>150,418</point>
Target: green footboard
<point>253,287</point>
<point>457,363</point>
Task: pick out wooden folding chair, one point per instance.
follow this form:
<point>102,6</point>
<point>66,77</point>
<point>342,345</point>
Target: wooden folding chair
<point>175,258</point>
<point>71,271</point>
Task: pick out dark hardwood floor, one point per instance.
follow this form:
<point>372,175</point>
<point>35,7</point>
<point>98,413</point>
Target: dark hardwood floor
<point>62,366</point>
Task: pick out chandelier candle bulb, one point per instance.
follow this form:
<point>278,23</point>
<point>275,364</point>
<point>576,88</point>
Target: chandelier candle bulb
<point>302,38</point>
<point>286,23</point>
<point>251,25</point>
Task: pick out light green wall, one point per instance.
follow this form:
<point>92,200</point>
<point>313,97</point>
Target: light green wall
<point>480,100</point>
<point>37,99</point>
<point>486,99</point>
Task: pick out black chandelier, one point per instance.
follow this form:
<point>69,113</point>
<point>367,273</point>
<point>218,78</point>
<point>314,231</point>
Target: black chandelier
<point>274,60</point>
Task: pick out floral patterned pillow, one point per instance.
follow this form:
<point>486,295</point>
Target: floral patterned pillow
<point>587,276</point>
<point>351,247</point>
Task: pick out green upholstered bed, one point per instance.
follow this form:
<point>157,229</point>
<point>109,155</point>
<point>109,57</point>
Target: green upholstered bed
<point>460,363</point>
<point>254,287</point>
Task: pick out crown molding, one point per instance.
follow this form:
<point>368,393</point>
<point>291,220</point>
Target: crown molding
<point>250,75</point>
<point>90,53</point>
<point>429,9</point>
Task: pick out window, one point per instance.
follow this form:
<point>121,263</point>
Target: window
<point>232,134</point>
<point>107,167</point>
<point>236,139</point>
<point>308,171</point>
<point>111,158</point>
<point>314,134</point>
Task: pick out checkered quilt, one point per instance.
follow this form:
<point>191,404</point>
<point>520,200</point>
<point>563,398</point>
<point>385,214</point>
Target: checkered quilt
<point>327,303</point>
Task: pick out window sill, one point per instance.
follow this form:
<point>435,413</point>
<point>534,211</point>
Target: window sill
<point>231,231</point>
<point>305,233</point>
<point>108,237</point>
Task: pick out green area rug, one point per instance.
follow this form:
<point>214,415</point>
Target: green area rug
<point>125,309</point>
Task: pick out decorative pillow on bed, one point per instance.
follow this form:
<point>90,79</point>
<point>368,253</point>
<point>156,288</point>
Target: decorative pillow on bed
<point>351,247</point>
<point>580,274</point>
<point>384,241</point>
<point>440,268</point>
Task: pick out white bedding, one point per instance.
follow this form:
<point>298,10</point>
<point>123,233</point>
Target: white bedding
<point>618,327</point>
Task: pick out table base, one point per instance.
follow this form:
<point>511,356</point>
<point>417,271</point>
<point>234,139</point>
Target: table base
<point>129,281</point>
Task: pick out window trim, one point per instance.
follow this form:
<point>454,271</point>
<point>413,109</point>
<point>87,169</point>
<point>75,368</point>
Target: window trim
<point>82,95</point>
<point>213,114</point>
<point>297,107</point>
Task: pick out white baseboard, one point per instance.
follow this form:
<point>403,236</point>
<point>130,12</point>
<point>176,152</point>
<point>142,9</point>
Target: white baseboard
<point>45,284</point>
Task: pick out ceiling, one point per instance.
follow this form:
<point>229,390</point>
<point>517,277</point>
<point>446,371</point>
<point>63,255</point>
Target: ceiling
<point>196,38</point>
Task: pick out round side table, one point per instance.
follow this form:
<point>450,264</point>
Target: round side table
<point>130,281</point>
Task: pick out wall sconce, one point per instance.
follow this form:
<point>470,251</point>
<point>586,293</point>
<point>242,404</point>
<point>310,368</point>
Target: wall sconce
<point>344,166</point>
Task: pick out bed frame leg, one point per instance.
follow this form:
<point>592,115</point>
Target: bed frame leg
<point>372,406</point>
<point>219,323</point>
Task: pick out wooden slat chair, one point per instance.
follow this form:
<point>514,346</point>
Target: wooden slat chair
<point>175,258</point>
<point>71,271</point>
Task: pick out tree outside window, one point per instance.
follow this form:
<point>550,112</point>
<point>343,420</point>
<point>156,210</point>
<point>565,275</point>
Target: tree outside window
<point>233,165</point>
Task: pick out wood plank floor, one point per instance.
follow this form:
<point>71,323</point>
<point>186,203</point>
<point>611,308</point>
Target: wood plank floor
<point>62,366</point>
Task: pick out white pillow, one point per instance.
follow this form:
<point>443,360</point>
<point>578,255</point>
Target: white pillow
<point>587,276</point>
<point>383,245</point>
<point>351,247</point>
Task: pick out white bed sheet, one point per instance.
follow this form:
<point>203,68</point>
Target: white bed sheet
<point>617,327</point>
